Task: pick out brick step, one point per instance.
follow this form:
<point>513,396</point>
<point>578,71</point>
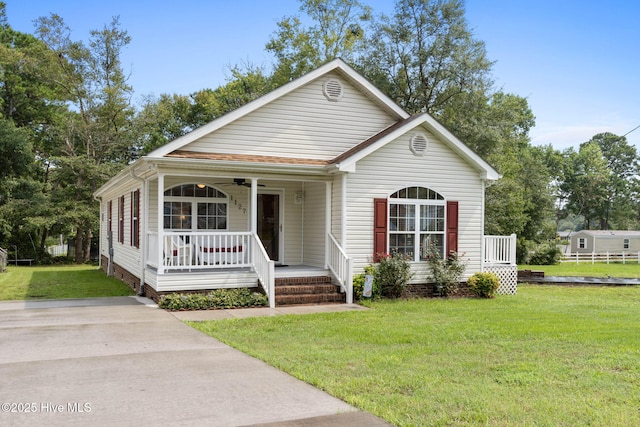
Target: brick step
<point>310,299</point>
<point>307,290</point>
<point>322,288</point>
<point>312,280</point>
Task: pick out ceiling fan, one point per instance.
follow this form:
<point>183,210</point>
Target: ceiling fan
<point>240,182</point>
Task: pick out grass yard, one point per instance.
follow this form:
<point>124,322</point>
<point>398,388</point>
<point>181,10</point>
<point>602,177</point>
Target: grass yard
<point>549,356</point>
<point>630,270</point>
<point>57,282</point>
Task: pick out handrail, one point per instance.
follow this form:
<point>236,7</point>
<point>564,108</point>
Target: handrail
<point>341,266</point>
<point>264,268</point>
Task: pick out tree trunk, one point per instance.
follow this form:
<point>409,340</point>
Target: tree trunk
<point>87,243</point>
<point>79,257</point>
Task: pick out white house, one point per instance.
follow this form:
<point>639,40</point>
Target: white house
<point>305,183</point>
<point>605,241</point>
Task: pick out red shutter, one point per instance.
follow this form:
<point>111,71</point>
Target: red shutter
<point>379,227</point>
<point>452,227</point>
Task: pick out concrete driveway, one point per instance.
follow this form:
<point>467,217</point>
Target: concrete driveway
<point>117,361</point>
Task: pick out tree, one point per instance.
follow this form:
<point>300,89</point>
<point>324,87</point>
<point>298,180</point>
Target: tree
<point>338,29</point>
<point>586,180</point>
<point>622,161</point>
<point>425,56</point>
<point>95,132</point>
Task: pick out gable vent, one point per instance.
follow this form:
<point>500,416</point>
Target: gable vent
<point>332,90</point>
<point>418,144</point>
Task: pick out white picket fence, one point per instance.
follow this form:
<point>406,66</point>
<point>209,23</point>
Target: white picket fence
<point>606,257</point>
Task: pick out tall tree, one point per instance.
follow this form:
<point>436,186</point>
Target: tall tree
<point>622,161</point>
<point>95,132</point>
<point>425,55</point>
<point>337,29</point>
<point>587,178</point>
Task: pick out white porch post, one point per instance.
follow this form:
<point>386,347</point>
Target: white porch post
<point>327,222</point>
<point>343,209</point>
<point>160,249</point>
<point>254,205</point>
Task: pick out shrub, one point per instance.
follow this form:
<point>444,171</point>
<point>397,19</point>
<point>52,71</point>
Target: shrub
<point>219,298</point>
<point>358,284</point>
<point>546,255</point>
<point>445,273</point>
<point>392,274</point>
<point>484,285</point>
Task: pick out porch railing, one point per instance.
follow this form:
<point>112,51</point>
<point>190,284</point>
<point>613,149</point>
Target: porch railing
<point>202,250</point>
<point>500,250</point>
<point>264,268</point>
<point>341,267</point>
<point>220,250</point>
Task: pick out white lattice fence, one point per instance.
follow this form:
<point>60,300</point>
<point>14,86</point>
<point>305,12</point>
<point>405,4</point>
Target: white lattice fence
<point>508,275</point>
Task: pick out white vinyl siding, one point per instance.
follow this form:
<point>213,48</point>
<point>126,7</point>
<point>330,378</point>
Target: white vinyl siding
<point>394,167</point>
<point>314,223</point>
<point>125,255</point>
<point>301,124</point>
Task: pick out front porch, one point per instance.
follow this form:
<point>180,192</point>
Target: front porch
<point>203,260</point>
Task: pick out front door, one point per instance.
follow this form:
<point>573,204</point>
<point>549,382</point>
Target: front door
<point>269,226</point>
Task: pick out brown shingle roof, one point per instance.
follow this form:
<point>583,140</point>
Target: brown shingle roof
<point>185,154</point>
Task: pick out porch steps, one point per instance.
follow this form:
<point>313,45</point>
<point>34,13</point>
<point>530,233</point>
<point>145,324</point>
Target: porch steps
<point>307,290</point>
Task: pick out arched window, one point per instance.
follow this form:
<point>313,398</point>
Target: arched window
<point>416,217</point>
<point>195,207</point>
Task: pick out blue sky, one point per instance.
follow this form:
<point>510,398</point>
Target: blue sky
<point>577,62</point>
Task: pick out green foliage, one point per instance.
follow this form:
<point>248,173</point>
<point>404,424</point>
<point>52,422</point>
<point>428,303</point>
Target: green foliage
<point>392,274</point>
<point>484,285</point>
<point>219,298</point>
<point>547,254</point>
<point>336,30</point>
<point>358,284</point>
<point>447,272</point>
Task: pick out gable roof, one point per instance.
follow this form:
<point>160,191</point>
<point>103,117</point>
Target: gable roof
<point>337,65</point>
<point>609,233</point>
<point>347,160</point>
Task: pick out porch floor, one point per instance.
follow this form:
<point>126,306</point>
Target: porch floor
<point>280,271</point>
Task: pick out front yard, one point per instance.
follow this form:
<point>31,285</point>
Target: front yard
<point>56,282</point>
<point>548,356</point>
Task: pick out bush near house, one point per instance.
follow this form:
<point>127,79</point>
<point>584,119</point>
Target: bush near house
<point>219,298</point>
<point>484,285</point>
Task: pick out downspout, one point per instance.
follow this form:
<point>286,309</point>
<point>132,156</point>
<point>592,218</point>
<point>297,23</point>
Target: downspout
<point>143,241</point>
<point>99,200</point>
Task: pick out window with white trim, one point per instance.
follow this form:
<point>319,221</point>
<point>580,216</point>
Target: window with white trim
<point>625,244</point>
<point>195,207</point>
<point>416,218</point>
<point>582,243</point>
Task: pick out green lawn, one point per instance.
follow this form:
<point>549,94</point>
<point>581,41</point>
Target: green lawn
<point>549,356</point>
<point>629,270</point>
<point>56,282</point>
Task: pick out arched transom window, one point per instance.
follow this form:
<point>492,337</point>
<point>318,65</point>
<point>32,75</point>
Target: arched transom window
<point>195,207</point>
<point>416,217</point>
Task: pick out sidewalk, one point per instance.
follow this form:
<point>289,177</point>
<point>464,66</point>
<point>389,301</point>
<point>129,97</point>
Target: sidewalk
<point>240,313</point>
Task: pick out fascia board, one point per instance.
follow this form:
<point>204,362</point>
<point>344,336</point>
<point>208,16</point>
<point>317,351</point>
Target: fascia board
<point>487,172</point>
<point>336,64</point>
<point>203,165</point>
